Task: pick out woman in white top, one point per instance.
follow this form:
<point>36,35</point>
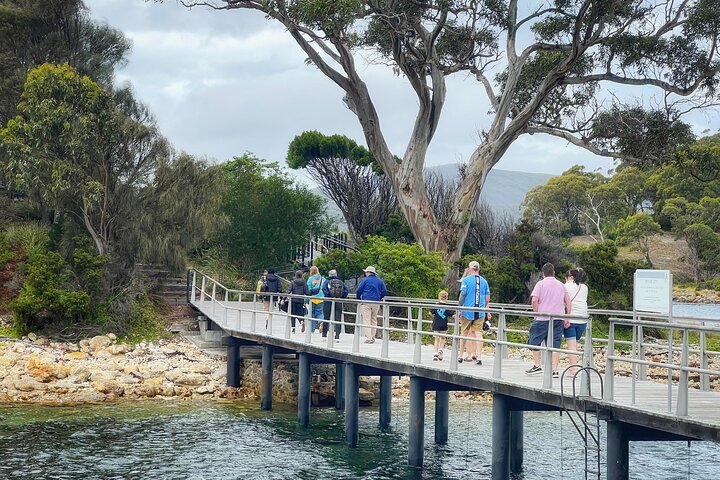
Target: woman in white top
<point>578,293</point>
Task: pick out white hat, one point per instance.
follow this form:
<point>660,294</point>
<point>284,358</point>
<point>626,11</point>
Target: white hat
<point>474,265</point>
<point>370,269</point>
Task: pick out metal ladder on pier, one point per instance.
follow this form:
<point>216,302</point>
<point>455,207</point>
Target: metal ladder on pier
<point>584,416</point>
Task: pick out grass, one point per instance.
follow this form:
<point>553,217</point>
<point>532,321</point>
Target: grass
<point>8,331</point>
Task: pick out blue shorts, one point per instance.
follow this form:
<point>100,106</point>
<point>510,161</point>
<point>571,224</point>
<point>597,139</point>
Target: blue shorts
<point>539,332</point>
<point>575,330</point>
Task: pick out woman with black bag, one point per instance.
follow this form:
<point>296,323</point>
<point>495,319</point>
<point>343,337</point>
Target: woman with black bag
<point>297,305</point>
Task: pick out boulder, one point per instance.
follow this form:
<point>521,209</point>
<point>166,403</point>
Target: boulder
<point>99,341</point>
<point>205,389</point>
<point>366,396</point>
<point>86,396</point>
<point>26,384</point>
<point>185,379</point>
<point>119,349</point>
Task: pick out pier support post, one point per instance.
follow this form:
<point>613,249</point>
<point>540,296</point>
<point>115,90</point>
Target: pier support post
<point>385,401</point>
<point>267,377</point>
<point>618,451</point>
<point>304,381</point>
<point>516,441</point>
<point>501,437</point>
<point>352,404</point>
<point>442,413</point>
<point>416,438</point>
<point>340,386</point>
<point>233,363</point>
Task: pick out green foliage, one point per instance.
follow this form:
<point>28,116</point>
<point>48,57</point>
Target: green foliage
<point>145,323</point>
<point>637,230</point>
<point>404,268</point>
<point>268,214</point>
<point>28,237</point>
<point>37,31</point>
<point>505,285</point>
<point>610,280</point>
<point>56,293</point>
<point>313,145</point>
<point>557,204</point>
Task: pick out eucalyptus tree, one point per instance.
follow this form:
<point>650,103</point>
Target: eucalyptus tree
<point>551,60</point>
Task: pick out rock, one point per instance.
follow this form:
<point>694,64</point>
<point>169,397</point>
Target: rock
<point>110,387</point>
<point>87,396</point>
<point>111,336</point>
<point>18,347</point>
<point>84,343</point>
<point>75,356</point>
<point>200,368</point>
<point>42,341</point>
<point>99,341</point>
<point>119,349</point>
<point>366,396</point>
<point>185,379</point>
<point>28,385</point>
<point>81,375</point>
<point>32,336</point>
<point>167,391</point>
<point>204,390</point>
<point>219,373</point>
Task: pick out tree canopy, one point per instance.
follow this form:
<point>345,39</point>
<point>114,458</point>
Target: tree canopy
<point>268,213</point>
<point>543,65</point>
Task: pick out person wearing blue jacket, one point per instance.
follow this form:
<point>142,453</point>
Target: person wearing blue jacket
<point>371,288</point>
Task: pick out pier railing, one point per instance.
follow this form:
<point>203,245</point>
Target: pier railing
<point>404,319</point>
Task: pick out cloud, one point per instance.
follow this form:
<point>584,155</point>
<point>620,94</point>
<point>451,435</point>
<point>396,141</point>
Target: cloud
<point>222,83</point>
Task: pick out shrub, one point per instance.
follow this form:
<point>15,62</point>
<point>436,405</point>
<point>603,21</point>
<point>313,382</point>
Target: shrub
<point>28,237</point>
<point>57,293</point>
<point>406,269</point>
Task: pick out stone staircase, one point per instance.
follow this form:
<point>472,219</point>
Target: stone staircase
<point>197,332</point>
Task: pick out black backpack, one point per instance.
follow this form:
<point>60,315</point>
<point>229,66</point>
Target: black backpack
<point>336,287</point>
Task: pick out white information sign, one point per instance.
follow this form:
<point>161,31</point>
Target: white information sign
<point>653,291</point>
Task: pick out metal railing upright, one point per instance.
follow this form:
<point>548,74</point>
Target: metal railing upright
<point>404,320</point>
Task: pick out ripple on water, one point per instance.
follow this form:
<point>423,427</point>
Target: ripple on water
<point>187,440</point>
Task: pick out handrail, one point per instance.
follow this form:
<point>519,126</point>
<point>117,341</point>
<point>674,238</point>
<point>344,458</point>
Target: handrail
<point>205,288</point>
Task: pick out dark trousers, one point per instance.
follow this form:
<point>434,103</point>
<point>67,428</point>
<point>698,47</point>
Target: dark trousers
<point>297,310</point>
<point>327,309</point>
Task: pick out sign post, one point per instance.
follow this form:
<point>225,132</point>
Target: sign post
<point>652,292</point>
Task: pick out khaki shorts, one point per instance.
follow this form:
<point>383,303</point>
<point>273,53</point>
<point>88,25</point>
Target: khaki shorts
<point>467,325</point>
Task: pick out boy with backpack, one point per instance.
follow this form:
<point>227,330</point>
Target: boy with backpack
<point>333,288</point>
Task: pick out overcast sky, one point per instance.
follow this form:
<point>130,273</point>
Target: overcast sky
<point>221,83</point>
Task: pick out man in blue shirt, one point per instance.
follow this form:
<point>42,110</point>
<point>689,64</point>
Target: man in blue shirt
<point>474,292</point>
<point>371,288</point>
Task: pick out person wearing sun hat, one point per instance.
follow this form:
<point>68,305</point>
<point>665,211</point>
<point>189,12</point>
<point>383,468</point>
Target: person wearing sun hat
<point>373,289</point>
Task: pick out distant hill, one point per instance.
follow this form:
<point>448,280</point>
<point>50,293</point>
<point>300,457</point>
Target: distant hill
<point>504,190</point>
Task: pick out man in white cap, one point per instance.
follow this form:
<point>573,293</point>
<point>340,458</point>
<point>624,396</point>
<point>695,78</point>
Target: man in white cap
<point>474,292</point>
<point>372,288</point>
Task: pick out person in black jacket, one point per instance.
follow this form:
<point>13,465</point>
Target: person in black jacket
<point>297,305</point>
<point>333,287</point>
<point>270,283</point>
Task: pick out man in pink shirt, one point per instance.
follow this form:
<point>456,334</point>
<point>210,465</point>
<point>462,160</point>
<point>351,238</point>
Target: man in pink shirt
<point>549,297</point>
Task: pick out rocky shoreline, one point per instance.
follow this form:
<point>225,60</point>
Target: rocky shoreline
<point>97,370</point>
<point>691,295</point>
<point>36,370</point>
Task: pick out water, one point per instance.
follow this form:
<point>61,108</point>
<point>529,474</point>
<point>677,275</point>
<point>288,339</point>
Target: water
<point>189,440</point>
<point>705,310</point>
